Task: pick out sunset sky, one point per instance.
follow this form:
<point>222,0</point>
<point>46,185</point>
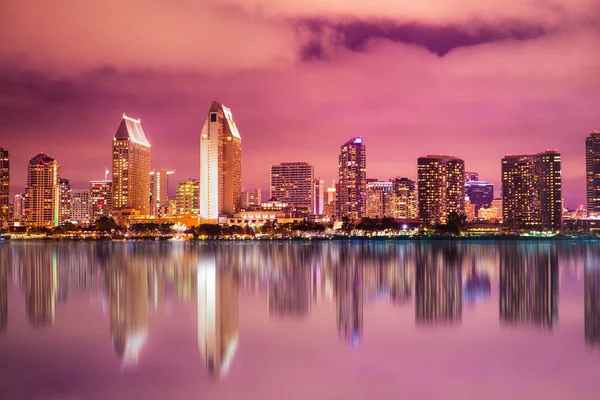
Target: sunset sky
<point>474,79</point>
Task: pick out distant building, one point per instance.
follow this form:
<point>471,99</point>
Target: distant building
<point>380,196</point>
<point>4,187</point>
<point>404,202</point>
<point>329,207</point>
<point>131,167</point>
<point>100,199</point>
<point>42,194</point>
<point>592,171</point>
<point>352,184</point>
<point>220,164</point>
<point>497,203</point>
<point>471,177</point>
<point>252,199</point>
<point>470,212</point>
<point>188,197</point>
<point>531,191</point>
<point>18,207</point>
<point>65,201</point>
<point>488,213</point>
<point>293,183</point>
<point>319,197</point>
<point>441,188</point>
<point>80,206</point>
<point>480,193</point>
<point>159,192</point>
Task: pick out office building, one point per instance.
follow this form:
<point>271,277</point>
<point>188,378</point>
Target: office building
<point>352,183</point>
<point>531,191</point>
<point>131,167</point>
<point>42,194</point>
<point>592,172</point>
<point>471,177</point>
<point>293,183</point>
<point>18,207</point>
<point>380,196</point>
<point>441,188</point>
<point>480,193</point>
<point>159,192</point>
<point>252,200</point>
<point>188,197</point>
<point>4,187</point>
<point>65,201</point>
<point>405,199</point>
<point>220,164</point>
<point>100,199</point>
<point>319,197</point>
<point>80,206</point>
<point>329,207</point>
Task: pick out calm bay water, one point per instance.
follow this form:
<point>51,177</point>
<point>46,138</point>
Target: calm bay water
<point>300,320</point>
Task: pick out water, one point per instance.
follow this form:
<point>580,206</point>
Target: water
<point>300,320</point>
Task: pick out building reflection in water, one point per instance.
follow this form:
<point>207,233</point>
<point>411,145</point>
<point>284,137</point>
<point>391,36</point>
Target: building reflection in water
<point>3,297</point>
<point>41,275</point>
<point>348,287</point>
<point>529,285</point>
<point>290,291</point>
<point>218,320</point>
<point>128,292</point>
<point>477,286</point>
<point>438,284</point>
<point>592,305</point>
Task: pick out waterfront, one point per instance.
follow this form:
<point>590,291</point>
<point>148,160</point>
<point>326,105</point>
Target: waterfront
<point>329,319</point>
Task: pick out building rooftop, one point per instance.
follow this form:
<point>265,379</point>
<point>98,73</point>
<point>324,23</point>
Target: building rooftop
<point>131,129</point>
<point>40,158</point>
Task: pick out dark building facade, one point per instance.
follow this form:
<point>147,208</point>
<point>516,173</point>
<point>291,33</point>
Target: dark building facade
<point>4,187</point>
<point>480,193</point>
<point>592,171</point>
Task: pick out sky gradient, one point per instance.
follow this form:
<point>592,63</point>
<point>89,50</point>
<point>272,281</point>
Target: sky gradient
<point>477,81</point>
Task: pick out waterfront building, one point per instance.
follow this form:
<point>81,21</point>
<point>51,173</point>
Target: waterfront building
<point>488,213</point>
<point>220,164</point>
<point>592,172</point>
<point>352,184</point>
<point>319,197</point>
<point>531,191</point>
<point>80,206</point>
<point>441,188</point>
<point>404,202</point>
<point>159,192</point>
<point>4,187</point>
<point>293,183</point>
<point>480,193</point>
<point>187,199</point>
<point>329,207</point>
<point>380,200</point>
<point>251,199</point>
<point>470,212</point>
<point>64,201</point>
<point>42,194</point>
<point>100,199</point>
<point>131,167</point>
<point>18,207</point>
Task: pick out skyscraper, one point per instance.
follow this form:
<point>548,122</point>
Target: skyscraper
<point>471,177</point>
<point>405,198</point>
<point>131,167</point>
<point>379,200</point>
<point>80,206</point>
<point>352,184</point>
<point>441,188</point>
<point>65,201</point>
<point>159,192</point>
<point>592,171</point>
<point>4,187</point>
<point>480,193</point>
<point>42,194</point>
<point>531,191</point>
<point>319,197</point>
<point>220,164</point>
<point>100,199</point>
<point>18,207</point>
<point>187,198</point>
<point>293,184</point>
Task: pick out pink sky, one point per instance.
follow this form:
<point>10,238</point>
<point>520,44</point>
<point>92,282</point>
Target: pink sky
<point>476,80</point>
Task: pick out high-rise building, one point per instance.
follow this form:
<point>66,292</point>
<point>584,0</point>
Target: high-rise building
<point>4,187</point>
<point>220,164</point>
<point>380,197</point>
<point>441,188</point>
<point>80,206</point>
<point>18,207</point>
<point>42,194</point>
<point>159,192</point>
<point>100,199</point>
<point>405,199</point>
<point>471,177</point>
<point>131,167</point>
<point>480,193</point>
<point>65,201</point>
<point>352,184</point>
<point>329,208</point>
<point>592,171</point>
<point>497,203</point>
<point>293,184</point>
<point>531,191</point>
<point>187,198</point>
<point>319,197</point>
<point>251,199</point>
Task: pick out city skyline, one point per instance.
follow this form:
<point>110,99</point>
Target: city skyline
<point>420,84</point>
